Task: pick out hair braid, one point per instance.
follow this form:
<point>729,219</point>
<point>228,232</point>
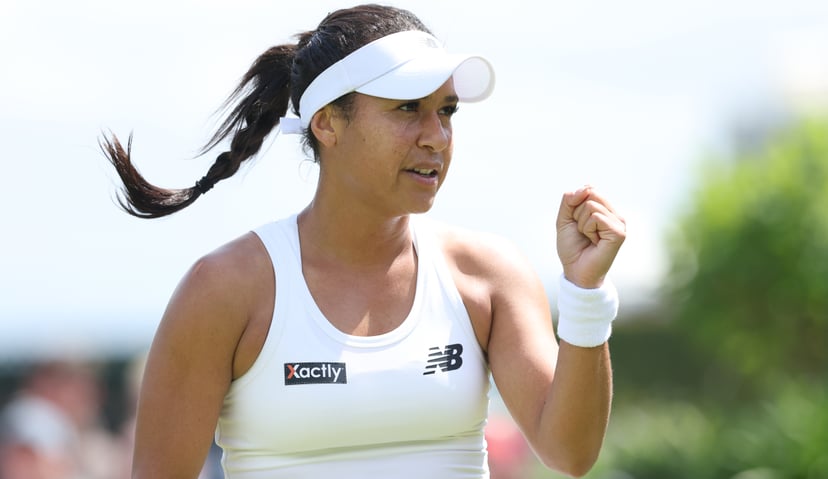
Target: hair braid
<point>277,79</point>
<point>139,197</point>
<point>261,98</point>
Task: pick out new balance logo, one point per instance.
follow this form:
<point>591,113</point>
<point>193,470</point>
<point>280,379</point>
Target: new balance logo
<point>315,373</point>
<point>446,359</point>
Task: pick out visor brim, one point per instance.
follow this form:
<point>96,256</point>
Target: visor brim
<point>473,78</point>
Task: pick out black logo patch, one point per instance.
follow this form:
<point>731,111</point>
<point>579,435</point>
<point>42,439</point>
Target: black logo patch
<point>315,373</point>
<point>446,359</point>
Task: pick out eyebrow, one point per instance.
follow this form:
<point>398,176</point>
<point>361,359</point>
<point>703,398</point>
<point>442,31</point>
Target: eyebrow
<point>446,99</point>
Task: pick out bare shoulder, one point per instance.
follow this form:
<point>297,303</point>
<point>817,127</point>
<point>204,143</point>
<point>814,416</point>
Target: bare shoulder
<point>223,289</point>
<point>233,268</point>
<point>480,253</point>
<point>222,298</point>
<point>492,276</point>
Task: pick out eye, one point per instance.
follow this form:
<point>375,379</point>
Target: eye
<point>449,110</point>
<point>410,106</point>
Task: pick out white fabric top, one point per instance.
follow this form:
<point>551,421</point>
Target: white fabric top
<point>318,403</point>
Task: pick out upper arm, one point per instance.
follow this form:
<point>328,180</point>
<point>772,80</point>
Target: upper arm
<point>189,370</point>
<point>521,344</point>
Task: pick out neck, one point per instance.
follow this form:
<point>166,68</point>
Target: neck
<point>351,237</point>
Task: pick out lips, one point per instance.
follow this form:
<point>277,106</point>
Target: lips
<point>426,172</point>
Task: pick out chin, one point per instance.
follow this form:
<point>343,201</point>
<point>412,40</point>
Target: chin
<point>422,208</point>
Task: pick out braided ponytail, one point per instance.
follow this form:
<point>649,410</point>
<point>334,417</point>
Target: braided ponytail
<point>261,98</point>
<point>277,79</point>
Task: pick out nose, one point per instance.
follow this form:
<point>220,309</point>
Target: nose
<point>435,131</point>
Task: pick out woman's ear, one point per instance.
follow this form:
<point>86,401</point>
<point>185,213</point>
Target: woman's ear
<point>322,126</point>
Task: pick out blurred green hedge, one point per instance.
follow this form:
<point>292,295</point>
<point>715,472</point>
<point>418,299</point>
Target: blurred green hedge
<point>749,279</point>
<point>728,379</point>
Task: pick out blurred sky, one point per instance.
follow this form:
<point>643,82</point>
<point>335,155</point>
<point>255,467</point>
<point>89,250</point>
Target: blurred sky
<point>627,96</point>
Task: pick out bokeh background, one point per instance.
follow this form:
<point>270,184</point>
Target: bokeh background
<point>704,122</point>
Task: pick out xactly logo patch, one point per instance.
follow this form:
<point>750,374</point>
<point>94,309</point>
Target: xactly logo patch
<point>315,373</point>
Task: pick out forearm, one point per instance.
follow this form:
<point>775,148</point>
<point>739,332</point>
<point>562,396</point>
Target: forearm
<point>574,418</point>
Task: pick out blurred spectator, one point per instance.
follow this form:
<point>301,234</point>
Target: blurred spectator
<point>51,429</point>
<point>36,441</point>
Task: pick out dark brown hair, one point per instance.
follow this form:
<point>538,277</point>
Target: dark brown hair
<point>277,79</point>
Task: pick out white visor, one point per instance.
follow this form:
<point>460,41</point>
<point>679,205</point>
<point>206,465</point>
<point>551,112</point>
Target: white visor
<point>401,66</point>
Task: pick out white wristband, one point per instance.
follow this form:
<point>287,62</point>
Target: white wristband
<point>585,315</point>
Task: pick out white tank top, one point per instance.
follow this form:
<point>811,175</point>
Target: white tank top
<point>319,403</point>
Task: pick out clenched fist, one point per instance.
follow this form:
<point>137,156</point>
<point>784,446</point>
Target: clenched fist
<point>590,233</point>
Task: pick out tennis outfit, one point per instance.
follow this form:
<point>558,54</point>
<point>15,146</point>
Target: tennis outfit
<point>319,403</point>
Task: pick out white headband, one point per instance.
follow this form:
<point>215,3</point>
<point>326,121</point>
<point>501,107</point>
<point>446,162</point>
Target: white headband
<point>401,66</point>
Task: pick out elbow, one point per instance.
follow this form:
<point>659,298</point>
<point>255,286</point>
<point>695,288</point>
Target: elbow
<point>572,468</point>
<point>570,451</point>
<point>570,463</point>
